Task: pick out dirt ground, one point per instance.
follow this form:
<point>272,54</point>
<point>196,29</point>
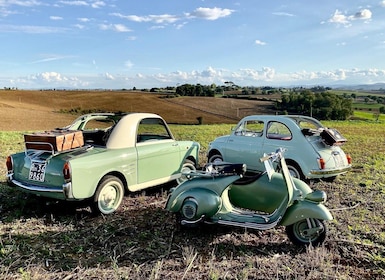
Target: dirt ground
<point>42,110</point>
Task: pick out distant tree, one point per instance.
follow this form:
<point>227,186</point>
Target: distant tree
<point>154,90</point>
<point>322,104</point>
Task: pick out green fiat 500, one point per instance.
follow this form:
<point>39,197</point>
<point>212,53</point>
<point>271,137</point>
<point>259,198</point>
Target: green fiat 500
<point>114,154</point>
<point>313,151</point>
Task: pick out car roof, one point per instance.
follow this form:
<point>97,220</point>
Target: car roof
<point>124,134</point>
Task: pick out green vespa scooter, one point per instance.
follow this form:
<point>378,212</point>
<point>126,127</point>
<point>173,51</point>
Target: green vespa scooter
<point>222,193</point>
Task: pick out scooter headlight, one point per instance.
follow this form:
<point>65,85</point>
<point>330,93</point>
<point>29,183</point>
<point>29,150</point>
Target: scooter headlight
<point>189,209</point>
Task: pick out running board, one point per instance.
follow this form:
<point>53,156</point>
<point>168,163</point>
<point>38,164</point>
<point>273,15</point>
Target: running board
<point>250,225</point>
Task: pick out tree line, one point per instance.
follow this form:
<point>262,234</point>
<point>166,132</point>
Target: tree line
<point>317,102</point>
<point>321,105</point>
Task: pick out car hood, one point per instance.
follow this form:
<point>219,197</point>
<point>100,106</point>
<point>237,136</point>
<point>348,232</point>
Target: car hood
<point>220,139</point>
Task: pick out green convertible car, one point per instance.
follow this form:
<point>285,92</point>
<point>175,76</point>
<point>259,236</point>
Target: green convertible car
<point>113,154</point>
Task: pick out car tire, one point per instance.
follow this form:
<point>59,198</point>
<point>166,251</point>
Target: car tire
<point>295,170</point>
<point>188,166</point>
<point>108,195</point>
<point>215,158</point>
<point>297,233</point>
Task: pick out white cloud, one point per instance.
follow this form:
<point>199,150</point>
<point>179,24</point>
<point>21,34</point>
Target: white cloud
<point>338,17</point>
<point>83,19</point>
<point>131,38</point>
<point>79,26</point>
<point>108,76</point>
<point>165,18</point>
<point>29,3</point>
<point>202,13</point>
<point>363,14</point>
<point>128,64</point>
<point>55,18</point>
<point>97,4</point>
<point>242,77</point>
<point>31,29</point>
<point>115,27</point>
<point>382,3</point>
<point>210,13</point>
<point>74,3</point>
<point>50,57</point>
<point>259,42</point>
<point>49,77</point>
<point>121,28</point>
<point>283,14</point>
<point>346,20</point>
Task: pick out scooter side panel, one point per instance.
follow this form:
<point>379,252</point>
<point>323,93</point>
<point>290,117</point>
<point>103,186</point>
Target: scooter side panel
<point>303,210</point>
<point>261,195</point>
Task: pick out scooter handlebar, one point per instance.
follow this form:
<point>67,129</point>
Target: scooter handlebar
<point>274,155</point>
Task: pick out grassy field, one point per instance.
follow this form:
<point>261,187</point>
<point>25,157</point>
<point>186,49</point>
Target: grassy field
<point>40,239</point>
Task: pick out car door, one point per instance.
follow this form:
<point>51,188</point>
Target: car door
<point>158,152</point>
<point>244,144</point>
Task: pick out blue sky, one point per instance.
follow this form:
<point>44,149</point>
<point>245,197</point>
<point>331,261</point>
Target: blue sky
<point>152,43</point>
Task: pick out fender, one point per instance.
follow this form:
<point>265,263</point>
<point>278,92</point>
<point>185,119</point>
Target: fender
<point>305,209</point>
<point>208,202</point>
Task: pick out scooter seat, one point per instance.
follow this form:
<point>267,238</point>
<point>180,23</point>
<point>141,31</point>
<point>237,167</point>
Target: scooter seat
<point>248,179</point>
<point>226,168</point>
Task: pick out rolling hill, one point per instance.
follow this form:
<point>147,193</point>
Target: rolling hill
<point>41,110</point>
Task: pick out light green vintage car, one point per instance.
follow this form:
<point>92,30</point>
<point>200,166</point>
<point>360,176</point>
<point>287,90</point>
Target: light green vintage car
<point>313,151</point>
<point>121,153</point>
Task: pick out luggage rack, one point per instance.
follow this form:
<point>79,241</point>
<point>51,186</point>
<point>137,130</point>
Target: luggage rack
<point>32,154</point>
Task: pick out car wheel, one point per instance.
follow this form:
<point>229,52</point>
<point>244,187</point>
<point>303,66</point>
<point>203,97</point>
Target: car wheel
<point>300,234</point>
<point>215,158</point>
<point>187,167</point>
<point>108,195</point>
<point>294,170</point>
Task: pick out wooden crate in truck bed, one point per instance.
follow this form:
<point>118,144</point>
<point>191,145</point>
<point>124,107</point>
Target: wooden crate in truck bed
<point>56,140</point>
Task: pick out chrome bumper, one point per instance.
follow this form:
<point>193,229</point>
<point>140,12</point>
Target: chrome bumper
<point>331,172</point>
<point>65,190</point>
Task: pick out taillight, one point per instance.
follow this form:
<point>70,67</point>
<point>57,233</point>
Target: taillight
<point>67,171</point>
<point>9,163</point>
<point>349,158</point>
<point>321,163</point>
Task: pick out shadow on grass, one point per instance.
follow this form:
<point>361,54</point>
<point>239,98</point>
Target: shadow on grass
<point>63,236</point>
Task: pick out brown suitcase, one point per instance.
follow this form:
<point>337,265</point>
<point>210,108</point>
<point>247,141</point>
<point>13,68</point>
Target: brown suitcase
<point>58,140</point>
<point>332,137</point>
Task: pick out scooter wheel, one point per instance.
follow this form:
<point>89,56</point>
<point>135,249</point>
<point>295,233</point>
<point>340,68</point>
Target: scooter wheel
<point>302,235</point>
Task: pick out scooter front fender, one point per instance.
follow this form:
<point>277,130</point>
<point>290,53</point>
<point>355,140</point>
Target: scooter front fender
<point>303,210</point>
<point>208,202</point>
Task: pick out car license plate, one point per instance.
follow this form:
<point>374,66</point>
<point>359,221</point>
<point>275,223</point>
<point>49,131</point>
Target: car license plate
<point>37,171</point>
